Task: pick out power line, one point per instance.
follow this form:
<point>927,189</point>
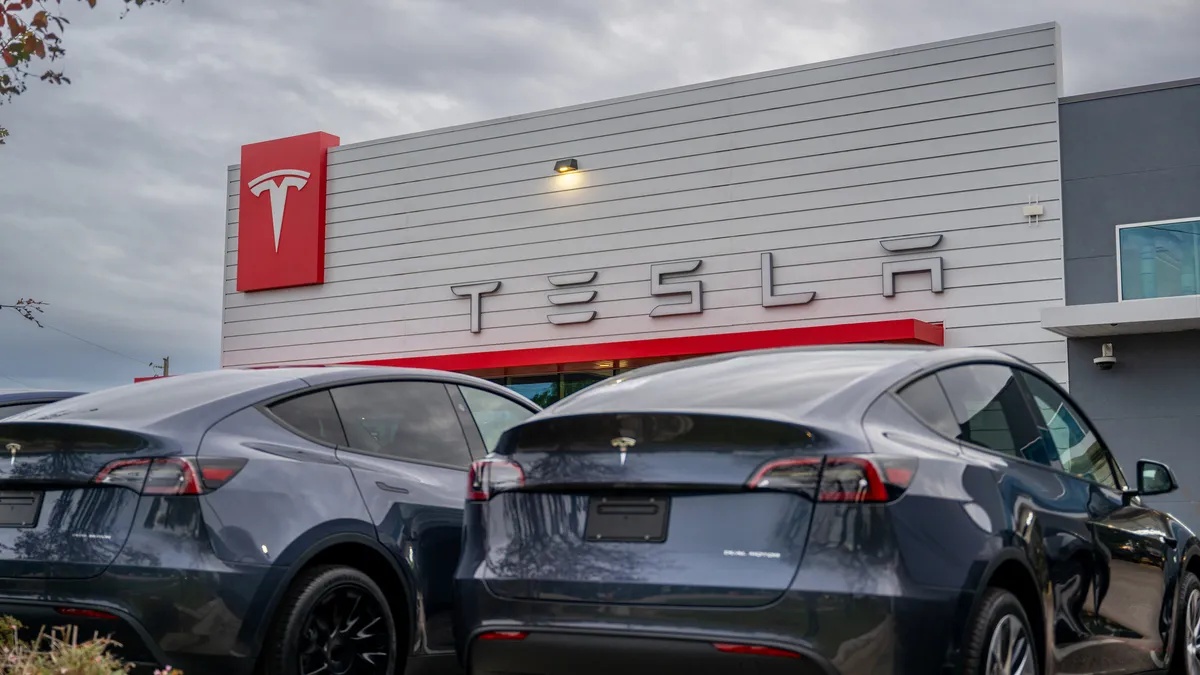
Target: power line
<point>43,324</point>
<point>13,379</point>
<point>110,351</point>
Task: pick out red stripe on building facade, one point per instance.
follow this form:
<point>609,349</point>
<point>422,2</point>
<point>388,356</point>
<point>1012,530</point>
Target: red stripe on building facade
<point>903,331</point>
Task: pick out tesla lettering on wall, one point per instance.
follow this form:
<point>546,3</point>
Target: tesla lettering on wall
<point>662,286</point>
<point>281,212</point>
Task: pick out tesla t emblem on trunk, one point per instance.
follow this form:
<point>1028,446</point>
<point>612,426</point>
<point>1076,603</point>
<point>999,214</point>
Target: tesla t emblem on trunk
<point>12,448</point>
<point>623,444</point>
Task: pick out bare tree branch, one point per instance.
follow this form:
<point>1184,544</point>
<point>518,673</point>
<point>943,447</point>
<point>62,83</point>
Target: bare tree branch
<point>28,308</point>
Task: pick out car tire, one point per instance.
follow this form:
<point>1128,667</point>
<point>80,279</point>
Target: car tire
<point>1185,625</point>
<point>332,615</point>
<point>1000,621</point>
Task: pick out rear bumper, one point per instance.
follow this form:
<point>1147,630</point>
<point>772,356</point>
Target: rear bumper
<point>833,633</point>
<point>596,653</point>
<point>137,647</point>
<point>197,620</point>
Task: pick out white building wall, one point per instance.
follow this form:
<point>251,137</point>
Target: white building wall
<point>814,164</point>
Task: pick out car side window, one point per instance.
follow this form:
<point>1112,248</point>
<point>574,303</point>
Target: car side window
<point>927,400</point>
<point>1077,449</point>
<point>403,420</point>
<point>312,414</point>
<point>989,409</point>
<point>493,414</point>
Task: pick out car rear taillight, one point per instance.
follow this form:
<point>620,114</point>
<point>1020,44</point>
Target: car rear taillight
<point>170,475</point>
<point>491,476</point>
<point>510,635</point>
<point>754,650</point>
<point>857,479</point>
<point>85,613</point>
<point>217,471</point>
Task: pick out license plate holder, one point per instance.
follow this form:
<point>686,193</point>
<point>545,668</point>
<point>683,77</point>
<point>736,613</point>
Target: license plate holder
<point>628,519</point>
<point>20,508</point>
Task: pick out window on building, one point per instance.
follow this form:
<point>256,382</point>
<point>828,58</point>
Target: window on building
<point>1159,260</point>
<point>541,389</point>
<point>573,382</point>
<point>545,390</point>
<point>403,420</point>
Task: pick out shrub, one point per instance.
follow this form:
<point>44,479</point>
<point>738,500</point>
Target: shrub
<point>59,652</point>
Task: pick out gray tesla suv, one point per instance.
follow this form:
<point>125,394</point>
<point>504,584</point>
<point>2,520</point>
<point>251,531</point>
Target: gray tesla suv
<point>844,511</point>
<point>297,520</point>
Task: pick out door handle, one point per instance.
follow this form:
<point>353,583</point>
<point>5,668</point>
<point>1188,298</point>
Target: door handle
<point>390,488</point>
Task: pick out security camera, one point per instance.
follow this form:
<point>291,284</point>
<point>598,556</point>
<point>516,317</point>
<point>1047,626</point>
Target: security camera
<point>1106,360</point>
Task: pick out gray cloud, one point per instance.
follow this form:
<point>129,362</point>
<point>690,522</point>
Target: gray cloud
<point>113,187</point>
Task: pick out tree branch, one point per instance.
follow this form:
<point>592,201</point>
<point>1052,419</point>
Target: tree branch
<point>28,308</point>
<point>30,30</point>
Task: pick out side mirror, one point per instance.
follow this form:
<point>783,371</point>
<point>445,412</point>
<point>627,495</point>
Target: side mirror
<point>1155,478</point>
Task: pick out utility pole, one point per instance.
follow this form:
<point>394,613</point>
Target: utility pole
<point>165,366</point>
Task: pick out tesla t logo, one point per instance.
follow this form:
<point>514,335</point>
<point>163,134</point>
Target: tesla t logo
<point>623,444</point>
<point>13,449</point>
<point>281,213</point>
<point>276,184</point>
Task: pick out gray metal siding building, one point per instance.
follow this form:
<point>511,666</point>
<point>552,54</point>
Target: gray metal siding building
<point>907,171</point>
<point>1131,165</point>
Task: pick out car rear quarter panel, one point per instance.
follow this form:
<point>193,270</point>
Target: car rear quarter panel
<point>290,490</point>
<point>292,497</point>
<point>955,526</point>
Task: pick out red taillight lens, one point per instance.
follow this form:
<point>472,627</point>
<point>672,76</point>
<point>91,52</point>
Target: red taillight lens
<point>170,475</point>
<point>217,471</point>
<point>491,476</point>
<point>504,635</point>
<point>754,650</point>
<point>85,613</point>
<point>858,479</point>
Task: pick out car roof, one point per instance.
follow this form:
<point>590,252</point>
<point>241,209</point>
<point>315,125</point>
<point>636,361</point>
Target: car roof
<point>185,406</point>
<point>146,404</point>
<point>317,376</point>
<point>10,396</point>
<point>795,384</point>
<point>321,375</point>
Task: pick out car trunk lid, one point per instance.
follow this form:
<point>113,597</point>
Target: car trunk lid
<point>59,517</point>
<point>648,509</point>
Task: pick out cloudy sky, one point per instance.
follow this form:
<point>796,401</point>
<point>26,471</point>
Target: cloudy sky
<point>111,189</point>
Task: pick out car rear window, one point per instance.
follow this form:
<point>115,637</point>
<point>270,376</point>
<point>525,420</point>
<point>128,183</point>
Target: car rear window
<point>662,432</point>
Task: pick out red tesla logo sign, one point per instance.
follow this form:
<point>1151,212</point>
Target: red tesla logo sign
<point>281,212</point>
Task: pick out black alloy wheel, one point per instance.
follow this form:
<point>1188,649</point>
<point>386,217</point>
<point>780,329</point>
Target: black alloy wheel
<point>334,621</point>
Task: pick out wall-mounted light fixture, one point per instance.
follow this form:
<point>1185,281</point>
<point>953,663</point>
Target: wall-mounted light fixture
<point>566,165</point>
